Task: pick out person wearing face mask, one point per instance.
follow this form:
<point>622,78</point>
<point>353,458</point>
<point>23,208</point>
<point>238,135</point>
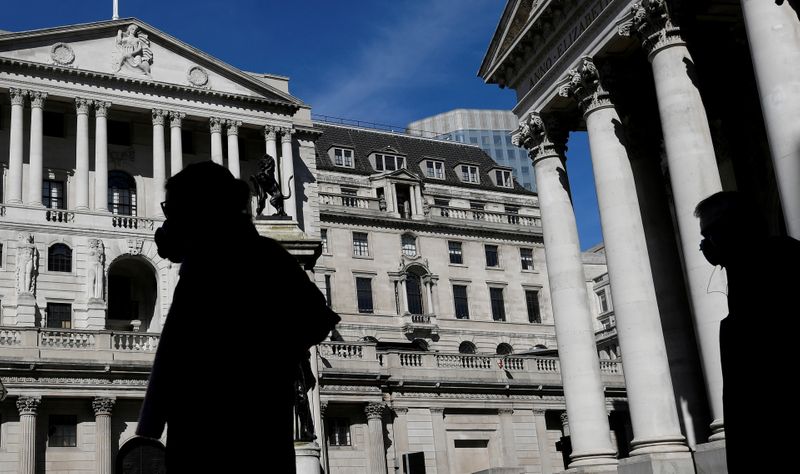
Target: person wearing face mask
<point>243,318</point>
<point>757,337</point>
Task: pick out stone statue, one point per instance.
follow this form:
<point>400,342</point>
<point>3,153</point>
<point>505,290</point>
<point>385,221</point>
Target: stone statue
<point>95,271</point>
<point>303,421</point>
<point>27,265</point>
<point>133,49</point>
<point>266,185</point>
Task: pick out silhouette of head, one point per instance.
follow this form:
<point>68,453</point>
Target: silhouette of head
<point>203,202</point>
<point>728,223</point>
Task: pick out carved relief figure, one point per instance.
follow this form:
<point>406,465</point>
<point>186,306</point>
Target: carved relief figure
<point>95,271</point>
<point>133,49</point>
<point>266,185</point>
<point>27,265</point>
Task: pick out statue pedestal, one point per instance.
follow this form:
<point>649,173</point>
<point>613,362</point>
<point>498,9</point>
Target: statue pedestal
<point>306,457</point>
<point>96,314</point>
<point>293,239</point>
<point>26,310</point>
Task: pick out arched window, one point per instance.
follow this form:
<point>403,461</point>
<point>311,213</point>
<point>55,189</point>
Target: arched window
<point>59,258</point>
<point>369,339</point>
<point>504,349</point>
<point>420,344</point>
<point>409,245</point>
<point>467,347</point>
<point>121,193</point>
<point>540,346</point>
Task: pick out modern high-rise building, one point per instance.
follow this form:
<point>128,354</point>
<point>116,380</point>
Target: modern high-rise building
<point>489,129</point>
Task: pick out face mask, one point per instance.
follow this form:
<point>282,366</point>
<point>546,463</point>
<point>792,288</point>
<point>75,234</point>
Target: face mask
<point>167,245</point>
<point>711,252</point>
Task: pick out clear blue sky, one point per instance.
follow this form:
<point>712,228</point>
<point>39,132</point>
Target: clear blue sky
<point>389,62</point>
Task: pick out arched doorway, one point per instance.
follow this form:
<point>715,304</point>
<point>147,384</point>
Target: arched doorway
<point>132,294</point>
<point>141,456</point>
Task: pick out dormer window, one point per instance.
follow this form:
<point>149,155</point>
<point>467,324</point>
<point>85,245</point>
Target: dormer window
<point>343,157</point>
<point>434,169</point>
<point>469,174</point>
<point>503,178</point>
<point>384,162</point>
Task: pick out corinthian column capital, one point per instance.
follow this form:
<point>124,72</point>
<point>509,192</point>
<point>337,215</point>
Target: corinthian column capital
<point>158,116</point>
<point>374,410</point>
<point>233,126</point>
<point>286,135</point>
<point>82,105</point>
<point>101,108</point>
<point>37,98</point>
<point>17,96</point>
<point>583,84</point>
<point>652,22</point>
<point>28,405</point>
<point>215,124</point>
<point>176,118</point>
<point>542,136</point>
<point>103,405</point>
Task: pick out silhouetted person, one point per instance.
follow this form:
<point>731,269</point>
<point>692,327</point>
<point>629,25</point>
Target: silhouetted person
<point>243,316</point>
<point>758,336</point>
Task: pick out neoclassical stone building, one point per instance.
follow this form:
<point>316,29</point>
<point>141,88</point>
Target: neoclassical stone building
<point>430,251</point>
<point>680,100</point>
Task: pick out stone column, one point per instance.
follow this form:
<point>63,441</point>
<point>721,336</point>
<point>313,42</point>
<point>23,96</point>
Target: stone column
<point>101,156</point>
<point>216,139</point>
<point>400,430</point>
<point>507,437</point>
<point>440,440</point>
<point>647,377</point>
<point>376,459</point>
<point>322,433</point>
<point>159,162</point>
<point>693,175</point>
<point>435,293</point>
<point>419,202</point>
<point>402,295</point>
<point>175,142</point>
<point>233,147</point>
<point>580,365</point>
<point>15,151</point>
<point>774,35</point>
<point>542,440</point>
<point>82,154</point>
<point>28,407</point>
<point>287,173</point>
<point>270,137</point>
<point>429,294</point>
<point>102,407</point>
<point>35,167</point>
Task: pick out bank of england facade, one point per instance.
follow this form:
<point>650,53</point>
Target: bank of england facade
<point>680,100</point>
<point>429,250</point>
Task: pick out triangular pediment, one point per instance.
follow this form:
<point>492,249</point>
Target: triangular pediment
<point>515,16</point>
<point>401,174</point>
<point>131,49</point>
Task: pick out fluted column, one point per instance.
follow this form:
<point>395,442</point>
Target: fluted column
<point>580,365</point>
<point>774,35</point>
<point>287,173</point>
<point>233,146</point>
<point>175,142</point>
<point>440,440</point>
<point>28,408</point>
<point>377,452</point>
<point>215,125</point>
<point>16,137</point>
<point>507,437</point>
<point>102,407</point>
<point>542,440</point>
<point>159,162</point>
<point>35,166</point>
<point>101,156</point>
<point>400,440</point>
<point>693,175</point>
<point>647,377</point>
<point>82,107</point>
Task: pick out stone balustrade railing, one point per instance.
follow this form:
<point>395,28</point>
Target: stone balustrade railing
<point>51,343</point>
<point>348,200</point>
<point>494,217</point>
<point>36,216</point>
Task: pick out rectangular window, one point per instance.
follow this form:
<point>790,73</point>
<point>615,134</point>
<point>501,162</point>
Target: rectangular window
<point>492,259</point>
<point>434,169</point>
<point>498,307</point>
<point>454,249</point>
<point>364,294</point>
<point>53,124</point>
<point>328,291</point>
<point>389,162</point>
<point>601,296</point>
<point>53,194</point>
<point>503,178</point>
<point>526,258</point>
<point>532,300</point>
<point>360,244</point>
<point>469,174</point>
<point>62,431</point>
<point>343,157</point>
<point>323,235</point>
<point>119,133</point>
<point>460,301</point>
<point>59,315</point>
<point>338,431</point>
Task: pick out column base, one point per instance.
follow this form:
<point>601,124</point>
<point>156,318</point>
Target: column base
<point>26,311</point>
<point>306,458</point>
<point>717,430</point>
<point>658,463</point>
<point>710,458</point>
<point>591,470</point>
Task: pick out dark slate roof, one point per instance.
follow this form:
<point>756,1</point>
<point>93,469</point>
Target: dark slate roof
<point>416,150</point>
